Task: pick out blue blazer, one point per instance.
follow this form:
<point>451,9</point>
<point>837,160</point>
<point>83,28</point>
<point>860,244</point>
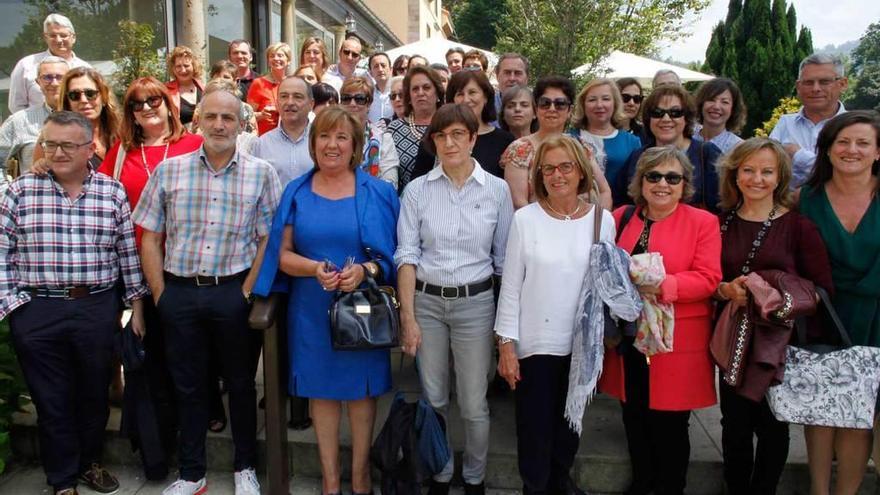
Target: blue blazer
<point>377,210</point>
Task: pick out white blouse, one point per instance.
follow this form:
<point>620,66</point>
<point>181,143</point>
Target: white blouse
<point>545,265</point>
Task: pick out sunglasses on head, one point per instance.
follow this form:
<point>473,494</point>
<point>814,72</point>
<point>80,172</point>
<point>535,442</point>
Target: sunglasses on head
<point>76,94</point>
<point>672,178</point>
<point>151,101</point>
<point>359,99</point>
<point>634,98</point>
<point>545,103</point>
<point>674,113</point>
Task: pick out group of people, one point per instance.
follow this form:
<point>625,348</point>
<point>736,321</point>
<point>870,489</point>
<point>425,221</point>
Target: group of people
<point>191,197</point>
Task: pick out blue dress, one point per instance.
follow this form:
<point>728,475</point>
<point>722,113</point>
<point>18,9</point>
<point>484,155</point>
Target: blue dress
<point>327,229</point>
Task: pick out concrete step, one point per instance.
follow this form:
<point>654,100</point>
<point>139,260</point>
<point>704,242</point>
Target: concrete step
<point>601,465</point>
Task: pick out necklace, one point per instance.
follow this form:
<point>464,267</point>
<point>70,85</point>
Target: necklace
<point>144,158</point>
<point>765,227</point>
<point>565,216</point>
<point>410,119</point>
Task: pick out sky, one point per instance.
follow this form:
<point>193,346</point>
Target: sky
<point>847,21</point>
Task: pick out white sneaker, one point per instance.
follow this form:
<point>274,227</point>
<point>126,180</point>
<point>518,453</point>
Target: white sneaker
<point>246,482</point>
<point>183,487</point>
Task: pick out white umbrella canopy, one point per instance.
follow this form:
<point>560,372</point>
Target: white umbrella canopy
<point>621,64</point>
<point>434,49</point>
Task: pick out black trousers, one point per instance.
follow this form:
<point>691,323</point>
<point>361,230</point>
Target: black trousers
<point>66,352</point>
<point>659,446</point>
<point>546,446</point>
<point>158,377</point>
<point>197,319</point>
<point>749,470</point>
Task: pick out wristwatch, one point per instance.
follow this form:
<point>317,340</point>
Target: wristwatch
<point>503,340</point>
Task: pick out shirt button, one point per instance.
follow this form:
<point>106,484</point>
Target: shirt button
<point>71,231</point>
<point>213,199</point>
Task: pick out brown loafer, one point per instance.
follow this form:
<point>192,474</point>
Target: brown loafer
<point>99,479</point>
<point>67,491</point>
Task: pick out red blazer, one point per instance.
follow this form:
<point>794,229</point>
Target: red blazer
<point>173,90</point>
<point>690,242</point>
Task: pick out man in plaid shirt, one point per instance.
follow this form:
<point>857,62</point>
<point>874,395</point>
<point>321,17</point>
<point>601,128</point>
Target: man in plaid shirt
<point>214,207</point>
<point>66,239</point>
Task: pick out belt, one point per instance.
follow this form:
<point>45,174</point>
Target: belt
<point>455,292</point>
<point>76,292</point>
<point>205,280</point>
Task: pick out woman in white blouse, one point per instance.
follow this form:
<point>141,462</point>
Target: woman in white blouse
<point>547,258</point>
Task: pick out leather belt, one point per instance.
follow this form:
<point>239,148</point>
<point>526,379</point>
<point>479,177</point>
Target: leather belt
<point>77,292</point>
<point>455,292</point>
<point>205,280</point>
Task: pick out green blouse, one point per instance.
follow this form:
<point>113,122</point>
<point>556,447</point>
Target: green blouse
<point>855,264</point>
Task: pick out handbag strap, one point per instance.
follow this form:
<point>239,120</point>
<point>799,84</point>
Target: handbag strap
<point>825,301</point>
<point>627,215</point>
<point>120,157</point>
<point>597,222</point>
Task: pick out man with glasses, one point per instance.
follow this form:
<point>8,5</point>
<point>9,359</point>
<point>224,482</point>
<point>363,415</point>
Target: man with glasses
<point>380,71</point>
<point>346,66</point>
<point>24,91</point>
<point>18,134</point>
<point>820,82</point>
<point>66,239</point>
<point>239,53</point>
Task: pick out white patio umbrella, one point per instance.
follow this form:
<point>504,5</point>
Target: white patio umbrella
<point>621,64</point>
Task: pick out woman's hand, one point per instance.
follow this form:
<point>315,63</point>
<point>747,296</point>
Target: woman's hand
<point>40,167</point>
<point>735,291</point>
<point>412,335</point>
<point>329,280</point>
<point>644,290</point>
<point>351,277</point>
<point>508,364</point>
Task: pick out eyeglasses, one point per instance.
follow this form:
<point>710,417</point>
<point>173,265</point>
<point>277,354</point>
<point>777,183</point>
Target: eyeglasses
<point>350,53</point>
<point>473,67</point>
<point>671,178</point>
<point>674,113</point>
<point>564,167</point>
<point>67,148</point>
<point>51,77</point>
<point>823,83</point>
<point>631,98</point>
<point>545,103</point>
<point>394,96</point>
<point>458,135</point>
<point>361,100</point>
<point>151,101</point>
<point>77,94</point>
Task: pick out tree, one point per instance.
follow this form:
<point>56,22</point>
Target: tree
<point>759,47</point>
<point>559,35</point>
<point>134,55</point>
<point>866,71</point>
<point>476,21</point>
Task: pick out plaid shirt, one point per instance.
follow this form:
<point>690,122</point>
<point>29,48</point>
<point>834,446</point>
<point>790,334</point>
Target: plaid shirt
<point>213,220</point>
<point>48,240</point>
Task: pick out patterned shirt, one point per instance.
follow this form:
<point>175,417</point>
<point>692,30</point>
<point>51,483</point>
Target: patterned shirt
<point>454,236</point>
<point>289,156</point>
<point>19,133</point>
<point>725,141</point>
<point>48,240</point>
<point>407,145</point>
<point>213,220</point>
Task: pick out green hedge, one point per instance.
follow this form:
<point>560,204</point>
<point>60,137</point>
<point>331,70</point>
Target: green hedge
<point>12,388</point>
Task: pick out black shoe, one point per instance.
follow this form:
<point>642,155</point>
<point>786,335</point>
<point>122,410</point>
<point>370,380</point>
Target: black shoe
<point>570,488</point>
<point>439,488</point>
<point>304,424</point>
<point>99,479</point>
<point>478,489</point>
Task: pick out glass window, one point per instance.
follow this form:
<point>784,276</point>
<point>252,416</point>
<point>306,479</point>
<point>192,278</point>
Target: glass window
<point>225,24</point>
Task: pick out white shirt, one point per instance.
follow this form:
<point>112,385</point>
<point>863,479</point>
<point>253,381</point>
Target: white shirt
<point>796,128</point>
<point>24,91</point>
<point>335,78</point>
<point>545,264</point>
<point>454,236</point>
<point>381,106</point>
<point>725,141</point>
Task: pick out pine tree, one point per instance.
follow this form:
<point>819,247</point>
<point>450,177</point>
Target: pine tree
<point>759,47</point>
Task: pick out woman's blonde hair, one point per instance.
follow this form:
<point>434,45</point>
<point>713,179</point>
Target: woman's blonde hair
<point>181,51</point>
<point>729,165</point>
<point>579,115</point>
<point>653,158</point>
<point>575,150</point>
<point>283,48</point>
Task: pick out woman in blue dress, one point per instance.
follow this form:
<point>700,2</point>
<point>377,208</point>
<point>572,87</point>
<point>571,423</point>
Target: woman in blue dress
<point>328,215</point>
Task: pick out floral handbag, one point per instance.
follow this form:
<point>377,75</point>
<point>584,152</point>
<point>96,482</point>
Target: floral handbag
<point>828,386</point>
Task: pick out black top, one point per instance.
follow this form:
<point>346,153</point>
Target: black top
<point>487,151</point>
<point>187,109</point>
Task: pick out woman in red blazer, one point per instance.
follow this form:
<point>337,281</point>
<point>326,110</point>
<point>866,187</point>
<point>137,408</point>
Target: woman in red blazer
<point>658,394</point>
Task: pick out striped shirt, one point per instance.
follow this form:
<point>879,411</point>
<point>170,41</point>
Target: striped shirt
<point>213,220</point>
<point>48,240</point>
<point>454,236</point>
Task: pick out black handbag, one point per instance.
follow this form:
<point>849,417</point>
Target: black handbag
<point>365,318</point>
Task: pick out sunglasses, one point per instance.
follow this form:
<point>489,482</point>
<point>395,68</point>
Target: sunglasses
<point>350,53</point>
<point>394,96</point>
<point>361,100</point>
<point>671,178</point>
<point>545,103</point>
<point>51,77</point>
<point>151,101</point>
<point>77,94</point>
<point>674,113</point>
<point>631,98</point>
<point>564,167</point>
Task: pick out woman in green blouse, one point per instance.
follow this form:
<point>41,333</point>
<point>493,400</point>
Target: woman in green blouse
<point>841,198</point>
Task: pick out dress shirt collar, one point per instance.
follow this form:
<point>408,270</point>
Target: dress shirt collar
<point>60,190</point>
<point>304,134</point>
<point>802,117</point>
<point>478,174</point>
<point>203,159</point>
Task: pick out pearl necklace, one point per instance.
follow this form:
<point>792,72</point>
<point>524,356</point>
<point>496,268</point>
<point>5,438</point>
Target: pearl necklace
<point>410,119</point>
<point>765,227</point>
<point>144,158</point>
<point>566,216</point>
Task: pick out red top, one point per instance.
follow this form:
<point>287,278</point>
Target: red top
<point>134,173</point>
<point>173,88</point>
<point>264,92</point>
<point>690,242</point>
